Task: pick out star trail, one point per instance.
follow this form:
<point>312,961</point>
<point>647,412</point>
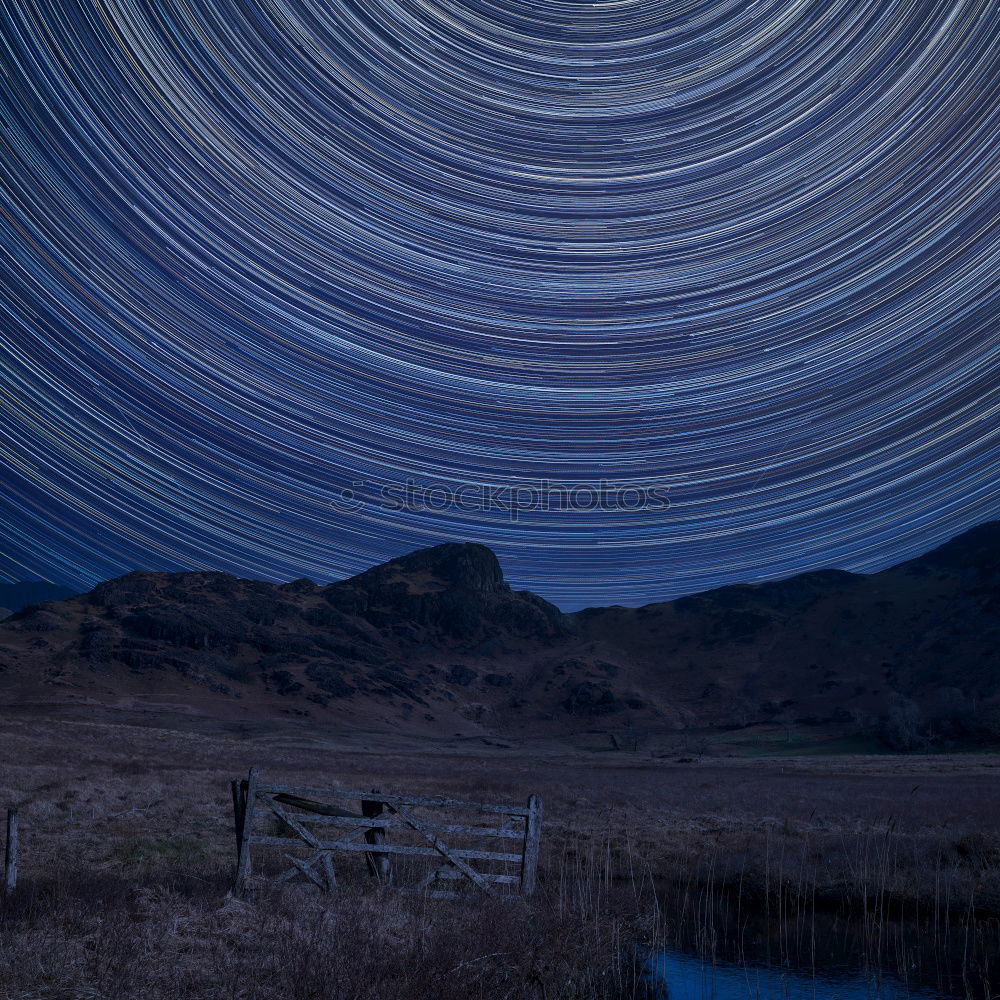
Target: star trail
<point>264,262</point>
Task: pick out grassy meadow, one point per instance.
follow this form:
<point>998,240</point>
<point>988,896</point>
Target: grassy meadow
<point>128,856</point>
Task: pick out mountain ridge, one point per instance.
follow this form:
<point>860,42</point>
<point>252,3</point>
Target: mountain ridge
<point>438,639</point>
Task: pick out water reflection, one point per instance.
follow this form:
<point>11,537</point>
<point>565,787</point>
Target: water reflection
<point>686,977</point>
<point>719,945</point>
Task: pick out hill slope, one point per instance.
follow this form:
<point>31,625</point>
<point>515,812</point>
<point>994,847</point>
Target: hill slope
<point>436,640</point>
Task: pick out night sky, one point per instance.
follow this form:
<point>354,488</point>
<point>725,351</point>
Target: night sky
<point>727,270</point>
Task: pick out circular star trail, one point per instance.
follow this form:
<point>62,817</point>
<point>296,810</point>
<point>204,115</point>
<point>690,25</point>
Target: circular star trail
<point>291,287</point>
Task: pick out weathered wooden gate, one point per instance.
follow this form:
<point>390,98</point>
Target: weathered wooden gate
<point>312,825</point>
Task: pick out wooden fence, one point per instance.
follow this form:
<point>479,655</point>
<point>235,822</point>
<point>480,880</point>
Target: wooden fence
<point>312,826</point>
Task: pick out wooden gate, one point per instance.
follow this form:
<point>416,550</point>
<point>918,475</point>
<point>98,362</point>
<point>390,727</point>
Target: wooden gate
<point>313,825</point>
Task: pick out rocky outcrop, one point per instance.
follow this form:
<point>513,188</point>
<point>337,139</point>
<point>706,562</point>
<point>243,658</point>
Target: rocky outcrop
<point>455,590</point>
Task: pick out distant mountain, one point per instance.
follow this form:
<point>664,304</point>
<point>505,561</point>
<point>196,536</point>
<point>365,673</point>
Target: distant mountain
<point>14,596</point>
<point>921,638</point>
<point>437,641</point>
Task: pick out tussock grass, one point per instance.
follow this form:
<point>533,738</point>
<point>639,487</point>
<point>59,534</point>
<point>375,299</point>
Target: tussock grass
<point>107,936</point>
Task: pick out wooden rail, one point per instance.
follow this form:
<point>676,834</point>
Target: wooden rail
<point>306,814</point>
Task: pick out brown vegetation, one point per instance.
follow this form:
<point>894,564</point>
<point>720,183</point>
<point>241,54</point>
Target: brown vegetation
<point>128,855</point>
<point>112,937</point>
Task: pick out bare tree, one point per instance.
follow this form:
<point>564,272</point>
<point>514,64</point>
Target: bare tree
<point>904,725</point>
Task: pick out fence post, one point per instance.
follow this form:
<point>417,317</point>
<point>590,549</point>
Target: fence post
<point>243,866</point>
<point>532,833</point>
<point>238,805</point>
<point>378,863</point>
<point>10,857</point>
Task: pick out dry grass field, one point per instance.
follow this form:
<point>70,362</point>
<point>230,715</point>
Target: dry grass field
<point>128,855</point>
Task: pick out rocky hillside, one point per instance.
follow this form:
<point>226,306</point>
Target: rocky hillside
<point>436,640</point>
<point>412,640</point>
<point>921,639</point>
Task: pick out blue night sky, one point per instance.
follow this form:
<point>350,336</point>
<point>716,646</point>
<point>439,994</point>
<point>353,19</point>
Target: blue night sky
<point>706,292</point>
